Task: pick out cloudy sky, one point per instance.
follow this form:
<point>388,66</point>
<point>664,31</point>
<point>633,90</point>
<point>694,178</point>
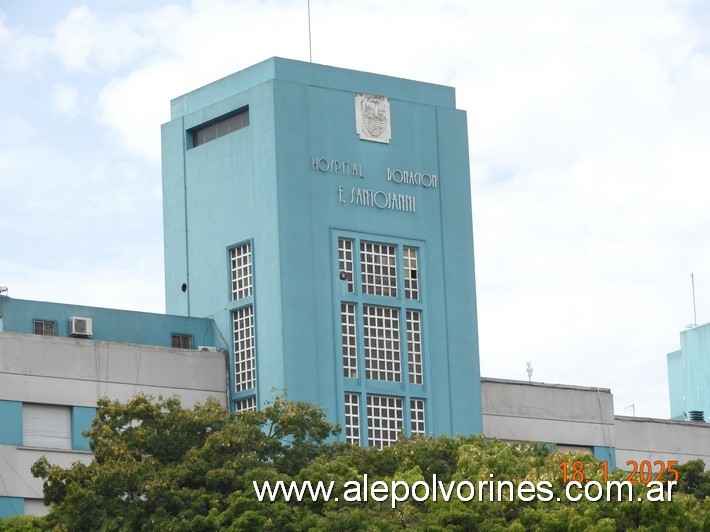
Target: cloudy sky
<point>589,129</point>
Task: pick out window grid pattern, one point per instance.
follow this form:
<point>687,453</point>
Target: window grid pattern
<point>44,328</point>
<point>381,342</point>
<point>244,353</point>
<point>222,127</point>
<point>352,418</point>
<point>411,273</point>
<point>378,263</point>
<point>242,278</point>
<point>384,420</point>
<point>247,404</point>
<point>181,341</point>
<point>347,321</point>
<point>345,262</point>
<point>416,416</point>
<point>414,346</point>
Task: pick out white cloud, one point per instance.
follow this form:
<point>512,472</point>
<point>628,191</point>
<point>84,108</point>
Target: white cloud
<point>19,50</point>
<point>64,99</point>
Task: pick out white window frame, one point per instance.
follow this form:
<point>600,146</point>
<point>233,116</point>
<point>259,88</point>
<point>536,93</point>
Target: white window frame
<point>244,348</point>
<point>348,326</point>
<point>417,416</point>
<point>378,268</point>
<point>246,404</point>
<point>240,259</point>
<point>385,420</point>
<point>381,340</point>
<point>352,418</point>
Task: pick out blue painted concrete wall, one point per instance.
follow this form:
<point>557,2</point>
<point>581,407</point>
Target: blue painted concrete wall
<point>259,184</point>
<point>689,373</point>
<point>108,324</point>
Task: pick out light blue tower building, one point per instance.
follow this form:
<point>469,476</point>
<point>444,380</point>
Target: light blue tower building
<point>689,375</point>
<point>322,218</point>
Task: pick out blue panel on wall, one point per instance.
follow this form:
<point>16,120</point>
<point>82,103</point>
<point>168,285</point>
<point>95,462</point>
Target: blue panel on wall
<point>10,506</point>
<point>605,454</point>
<point>81,418</point>
<point>10,422</point>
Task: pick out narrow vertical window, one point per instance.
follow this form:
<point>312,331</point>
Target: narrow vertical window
<point>349,338</point>
<point>244,353</point>
<point>381,342</point>
<point>240,258</point>
<point>416,415</point>
<point>345,262</point>
<point>378,269</point>
<point>246,405</point>
<point>411,273</point>
<point>384,420</point>
<point>352,418</point>
<point>414,346</point>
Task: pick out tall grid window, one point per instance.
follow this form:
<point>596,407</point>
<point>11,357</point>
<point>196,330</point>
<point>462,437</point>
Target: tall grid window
<point>411,273</point>
<point>416,416</point>
<point>247,404</point>
<point>381,341</point>
<point>378,263</point>
<point>414,346</point>
<point>244,353</point>
<point>347,320</point>
<point>352,418</point>
<point>240,258</point>
<point>44,328</point>
<point>345,262</point>
<point>384,420</point>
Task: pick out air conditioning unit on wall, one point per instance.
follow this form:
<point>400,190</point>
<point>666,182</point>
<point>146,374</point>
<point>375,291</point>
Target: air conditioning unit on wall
<point>207,348</point>
<point>80,327</point>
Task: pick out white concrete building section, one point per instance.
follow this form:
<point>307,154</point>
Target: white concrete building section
<point>18,482</point>
<point>582,419</point>
<point>73,371</point>
<point>661,440</point>
<point>568,416</point>
<point>49,387</point>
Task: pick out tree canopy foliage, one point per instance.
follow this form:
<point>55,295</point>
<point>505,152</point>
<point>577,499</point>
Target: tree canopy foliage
<point>159,466</point>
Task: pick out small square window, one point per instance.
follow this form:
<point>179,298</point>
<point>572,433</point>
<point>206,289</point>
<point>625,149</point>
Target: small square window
<point>45,328</point>
<point>181,341</point>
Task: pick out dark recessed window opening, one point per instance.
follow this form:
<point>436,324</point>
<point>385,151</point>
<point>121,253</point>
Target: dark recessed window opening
<point>221,127</point>
<point>45,328</point>
<point>182,341</point>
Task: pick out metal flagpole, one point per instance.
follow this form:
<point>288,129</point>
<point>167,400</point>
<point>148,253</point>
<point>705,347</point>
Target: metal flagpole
<point>310,49</point>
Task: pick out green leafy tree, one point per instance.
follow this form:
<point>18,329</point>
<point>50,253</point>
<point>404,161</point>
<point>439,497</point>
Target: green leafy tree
<point>158,466</point>
<point>22,523</point>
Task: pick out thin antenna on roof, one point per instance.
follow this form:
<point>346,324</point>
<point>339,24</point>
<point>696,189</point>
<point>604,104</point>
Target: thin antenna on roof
<point>695,315</point>
<point>310,49</point>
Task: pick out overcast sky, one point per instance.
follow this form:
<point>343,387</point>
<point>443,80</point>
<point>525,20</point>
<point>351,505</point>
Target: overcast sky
<point>589,131</point>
